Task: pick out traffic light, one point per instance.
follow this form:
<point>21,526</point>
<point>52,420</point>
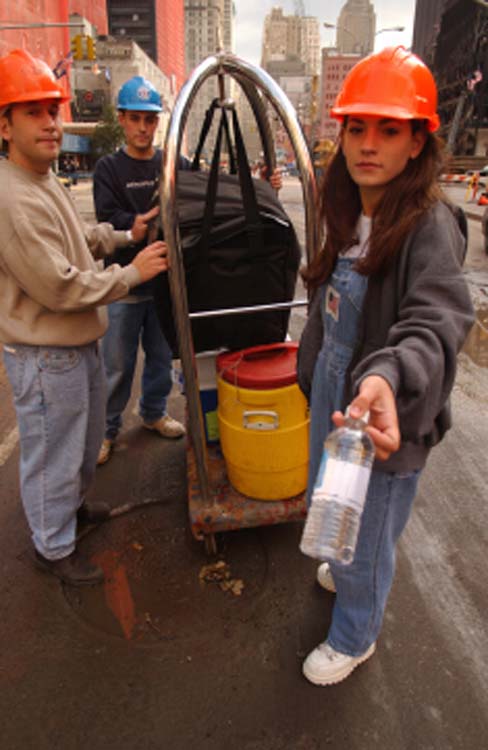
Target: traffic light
<point>91,48</point>
<point>77,47</point>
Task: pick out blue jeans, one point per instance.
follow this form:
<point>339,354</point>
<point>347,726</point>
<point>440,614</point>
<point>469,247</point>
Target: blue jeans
<point>363,586</point>
<point>59,397</point>
<point>129,323</point>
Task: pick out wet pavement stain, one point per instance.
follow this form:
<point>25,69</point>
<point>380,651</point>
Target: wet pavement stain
<point>154,593</point>
<point>476,345</point>
<point>118,595</point>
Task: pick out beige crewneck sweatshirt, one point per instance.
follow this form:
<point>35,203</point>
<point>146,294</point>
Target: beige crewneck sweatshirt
<point>51,290</point>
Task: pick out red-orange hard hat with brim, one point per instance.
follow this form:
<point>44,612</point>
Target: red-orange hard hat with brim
<point>24,78</point>
<point>391,83</point>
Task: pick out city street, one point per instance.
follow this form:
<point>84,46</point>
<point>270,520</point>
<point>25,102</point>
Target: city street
<point>160,659</point>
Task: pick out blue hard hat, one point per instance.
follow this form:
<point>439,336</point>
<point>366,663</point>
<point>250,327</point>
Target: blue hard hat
<point>139,94</point>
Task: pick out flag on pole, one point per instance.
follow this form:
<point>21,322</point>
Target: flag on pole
<point>60,69</point>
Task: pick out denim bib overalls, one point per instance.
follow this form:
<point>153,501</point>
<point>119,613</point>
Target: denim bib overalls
<point>363,586</point>
<point>341,305</point>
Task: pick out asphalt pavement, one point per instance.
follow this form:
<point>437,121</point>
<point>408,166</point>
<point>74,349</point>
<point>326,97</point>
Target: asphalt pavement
<point>162,657</point>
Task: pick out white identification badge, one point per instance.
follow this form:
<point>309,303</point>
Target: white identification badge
<point>332,302</point>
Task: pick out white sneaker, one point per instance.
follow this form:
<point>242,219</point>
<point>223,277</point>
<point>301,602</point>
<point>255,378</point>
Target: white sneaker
<point>325,579</point>
<point>325,666</point>
<point>167,427</point>
<point>105,451</point>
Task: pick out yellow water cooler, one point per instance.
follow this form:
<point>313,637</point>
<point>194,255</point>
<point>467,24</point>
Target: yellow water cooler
<point>263,421</point>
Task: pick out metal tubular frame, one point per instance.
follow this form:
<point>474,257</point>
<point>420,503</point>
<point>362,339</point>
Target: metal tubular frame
<point>256,84</point>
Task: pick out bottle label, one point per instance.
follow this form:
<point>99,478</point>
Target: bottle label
<point>344,482</point>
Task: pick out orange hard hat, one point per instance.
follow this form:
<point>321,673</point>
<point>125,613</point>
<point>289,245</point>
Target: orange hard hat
<point>24,78</point>
<point>391,83</point>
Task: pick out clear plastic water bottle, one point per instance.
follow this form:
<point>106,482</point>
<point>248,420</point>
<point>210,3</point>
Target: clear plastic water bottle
<point>334,517</point>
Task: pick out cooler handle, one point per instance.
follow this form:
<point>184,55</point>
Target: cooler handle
<point>266,351</point>
<point>274,425</point>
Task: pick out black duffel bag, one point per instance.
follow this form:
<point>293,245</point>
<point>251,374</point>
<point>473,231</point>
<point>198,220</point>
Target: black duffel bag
<point>239,249</point>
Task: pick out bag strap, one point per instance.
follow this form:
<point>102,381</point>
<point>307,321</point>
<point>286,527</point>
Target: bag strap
<point>230,149</point>
<point>251,209</point>
<point>212,184</point>
<point>207,124</point>
<point>253,223</point>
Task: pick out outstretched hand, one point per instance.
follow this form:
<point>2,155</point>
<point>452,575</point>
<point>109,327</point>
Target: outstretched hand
<point>376,396</point>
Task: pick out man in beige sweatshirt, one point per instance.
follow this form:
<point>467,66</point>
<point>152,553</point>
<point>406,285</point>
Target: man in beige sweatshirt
<point>52,313</point>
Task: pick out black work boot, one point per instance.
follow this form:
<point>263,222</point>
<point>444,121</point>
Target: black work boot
<point>93,513</point>
<point>75,569</point>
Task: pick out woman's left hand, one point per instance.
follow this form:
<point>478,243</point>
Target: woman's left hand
<point>376,396</point>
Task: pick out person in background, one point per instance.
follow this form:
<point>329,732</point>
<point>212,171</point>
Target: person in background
<point>390,312</point>
<point>52,313</point>
<point>473,187</point>
<point>124,188</point>
<point>125,192</point>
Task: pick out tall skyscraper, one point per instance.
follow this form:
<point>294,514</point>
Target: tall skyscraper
<point>208,28</point>
<point>287,38</point>
<point>356,27</point>
<point>158,28</point>
<point>291,55</point>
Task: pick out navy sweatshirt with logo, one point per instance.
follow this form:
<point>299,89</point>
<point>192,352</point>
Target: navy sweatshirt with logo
<point>122,188</point>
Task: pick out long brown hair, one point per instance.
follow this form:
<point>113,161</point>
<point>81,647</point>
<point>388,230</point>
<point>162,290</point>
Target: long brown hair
<point>408,197</point>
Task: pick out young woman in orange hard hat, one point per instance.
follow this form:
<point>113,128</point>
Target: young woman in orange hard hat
<point>390,311</point>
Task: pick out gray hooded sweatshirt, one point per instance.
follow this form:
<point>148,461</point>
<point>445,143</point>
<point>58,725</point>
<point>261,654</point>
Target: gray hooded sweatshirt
<point>415,318</point>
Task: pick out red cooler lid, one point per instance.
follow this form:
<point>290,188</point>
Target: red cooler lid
<point>260,367</point>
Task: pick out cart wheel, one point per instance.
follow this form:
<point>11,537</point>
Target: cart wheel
<point>210,543</point>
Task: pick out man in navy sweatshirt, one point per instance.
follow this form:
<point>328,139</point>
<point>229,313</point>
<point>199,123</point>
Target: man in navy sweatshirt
<point>124,185</point>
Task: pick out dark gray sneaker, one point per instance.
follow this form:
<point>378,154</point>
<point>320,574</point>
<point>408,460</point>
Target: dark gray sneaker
<point>75,570</point>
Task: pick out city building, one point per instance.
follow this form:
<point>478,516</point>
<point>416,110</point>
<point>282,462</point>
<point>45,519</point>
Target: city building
<point>93,66</point>
<point>52,44</point>
<point>426,27</point>
<point>291,55</point>
<point>335,67</point>
<point>94,11</point>
<point>356,27</point>
<point>460,66</point>
<point>158,27</point>
<point>310,44</point>
<point>208,29</point>
<point>293,37</point>
<point>275,44</point>
<point>300,91</point>
<point>95,85</point>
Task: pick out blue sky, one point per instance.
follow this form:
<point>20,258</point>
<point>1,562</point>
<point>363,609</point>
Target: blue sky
<point>250,17</point>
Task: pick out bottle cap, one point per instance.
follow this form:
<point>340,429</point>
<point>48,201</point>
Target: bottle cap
<point>364,418</point>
